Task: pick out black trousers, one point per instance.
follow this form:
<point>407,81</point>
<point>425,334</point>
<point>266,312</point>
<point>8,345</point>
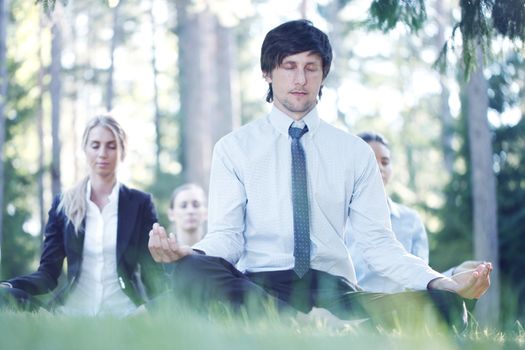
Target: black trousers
<point>203,280</point>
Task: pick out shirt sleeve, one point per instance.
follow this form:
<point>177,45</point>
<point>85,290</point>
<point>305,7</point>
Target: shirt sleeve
<point>227,205</point>
<point>369,223</point>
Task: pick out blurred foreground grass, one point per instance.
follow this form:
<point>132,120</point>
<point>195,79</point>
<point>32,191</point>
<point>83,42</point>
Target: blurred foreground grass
<point>186,330</point>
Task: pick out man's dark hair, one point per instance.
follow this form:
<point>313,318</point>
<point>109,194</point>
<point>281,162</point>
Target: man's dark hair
<point>291,38</point>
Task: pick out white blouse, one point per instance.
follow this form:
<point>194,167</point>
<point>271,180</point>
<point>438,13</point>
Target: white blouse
<point>98,291</point>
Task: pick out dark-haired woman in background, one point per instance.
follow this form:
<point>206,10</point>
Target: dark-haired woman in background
<point>406,225</point>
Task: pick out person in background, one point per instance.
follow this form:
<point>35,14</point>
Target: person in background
<point>188,213</point>
<point>406,225</point>
<point>100,227</point>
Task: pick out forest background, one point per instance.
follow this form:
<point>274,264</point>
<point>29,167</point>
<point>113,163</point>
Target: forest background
<point>443,80</point>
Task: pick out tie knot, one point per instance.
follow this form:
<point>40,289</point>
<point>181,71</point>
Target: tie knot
<point>296,133</point>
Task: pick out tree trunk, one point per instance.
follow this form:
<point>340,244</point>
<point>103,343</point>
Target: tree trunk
<point>55,90</point>
<point>114,42</point>
<point>156,111</point>
<point>484,197</point>
<point>3,98</point>
<point>77,83</point>
<point>339,65</point>
<point>205,89</point>
<point>447,122</point>
<point>40,130</point>
<point>303,9</point>
<point>228,112</point>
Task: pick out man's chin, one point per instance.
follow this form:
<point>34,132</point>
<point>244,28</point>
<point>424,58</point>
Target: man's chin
<point>299,109</point>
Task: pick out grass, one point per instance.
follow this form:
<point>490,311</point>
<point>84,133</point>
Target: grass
<point>180,329</point>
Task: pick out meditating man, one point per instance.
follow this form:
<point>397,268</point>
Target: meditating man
<point>282,190</point>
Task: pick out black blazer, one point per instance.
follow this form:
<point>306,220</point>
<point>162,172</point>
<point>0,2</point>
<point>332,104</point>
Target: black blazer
<point>139,276</point>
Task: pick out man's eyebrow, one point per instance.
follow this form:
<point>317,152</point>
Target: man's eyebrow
<point>306,63</point>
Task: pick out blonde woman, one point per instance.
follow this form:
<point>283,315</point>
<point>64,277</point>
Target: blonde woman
<point>100,227</point>
<point>188,213</point>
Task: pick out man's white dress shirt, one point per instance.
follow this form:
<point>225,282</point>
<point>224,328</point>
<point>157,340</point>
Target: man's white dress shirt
<point>250,207</point>
<point>98,291</point>
<point>409,231</point>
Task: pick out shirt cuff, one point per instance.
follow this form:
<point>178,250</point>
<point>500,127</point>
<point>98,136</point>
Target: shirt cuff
<point>421,279</point>
<point>6,284</point>
<point>449,272</point>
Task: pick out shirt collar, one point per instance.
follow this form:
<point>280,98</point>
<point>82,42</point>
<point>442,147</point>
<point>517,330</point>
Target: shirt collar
<point>394,208</point>
<point>282,121</point>
<point>111,198</point>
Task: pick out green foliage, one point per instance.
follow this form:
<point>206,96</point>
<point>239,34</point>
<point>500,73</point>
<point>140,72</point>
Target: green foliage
<point>481,21</point>
<point>456,213</point>
<point>508,146</point>
<point>18,247</point>
<point>186,330</point>
<point>505,76</point>
<point>508,17</point>
<point>49,5</point>
<point>474,20</point>
<point>385,14</point>
<point>456,235</point>
<point>161,190</point>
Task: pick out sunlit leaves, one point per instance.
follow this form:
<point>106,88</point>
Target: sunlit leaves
<point>481,21</point>
<point>385,14</point>
<point>508,17</point>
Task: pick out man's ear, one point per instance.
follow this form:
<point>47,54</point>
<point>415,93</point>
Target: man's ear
<point>267,77</point>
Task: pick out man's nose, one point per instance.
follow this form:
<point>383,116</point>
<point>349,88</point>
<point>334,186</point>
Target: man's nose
<point>300,77</point>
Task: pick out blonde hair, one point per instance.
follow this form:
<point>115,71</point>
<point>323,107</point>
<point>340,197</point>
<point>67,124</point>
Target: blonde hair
<point>73,201</point>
